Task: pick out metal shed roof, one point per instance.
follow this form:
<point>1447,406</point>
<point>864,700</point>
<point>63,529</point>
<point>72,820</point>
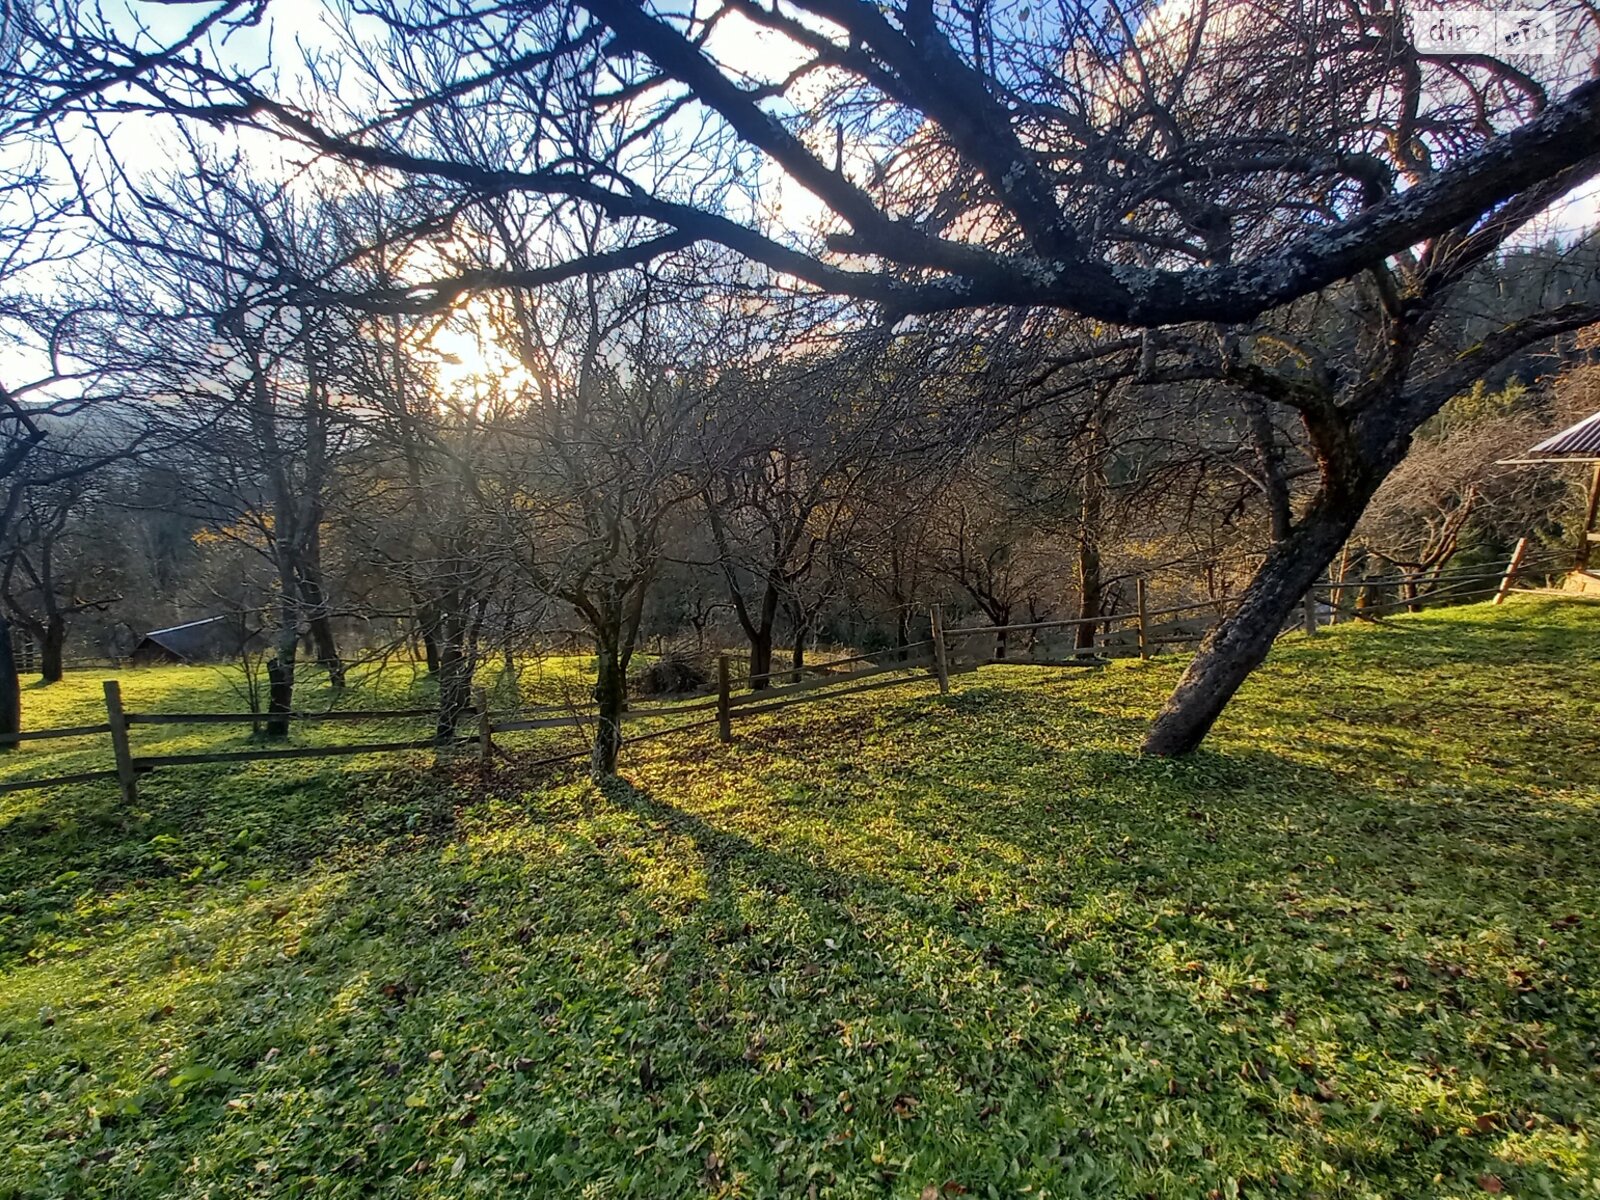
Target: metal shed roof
<point>1580,443</point>
<point>187,625</point>
<point>196,637</point>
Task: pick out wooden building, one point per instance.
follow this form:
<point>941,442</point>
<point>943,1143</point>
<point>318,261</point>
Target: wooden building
<point>208,640</point>
<point>1578,444</point>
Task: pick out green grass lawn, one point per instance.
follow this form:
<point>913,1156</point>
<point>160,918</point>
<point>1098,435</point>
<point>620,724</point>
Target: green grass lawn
<point>896,945</point>
<point>79,699</point>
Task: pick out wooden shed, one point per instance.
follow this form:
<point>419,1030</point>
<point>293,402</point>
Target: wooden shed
<point>1577,444</point>
<point>206,640</point>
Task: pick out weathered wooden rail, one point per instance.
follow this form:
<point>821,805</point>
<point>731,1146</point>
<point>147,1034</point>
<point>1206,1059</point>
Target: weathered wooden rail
<point>1140,632</point>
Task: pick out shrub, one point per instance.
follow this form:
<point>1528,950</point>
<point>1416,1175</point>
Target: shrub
<point>671,674</point>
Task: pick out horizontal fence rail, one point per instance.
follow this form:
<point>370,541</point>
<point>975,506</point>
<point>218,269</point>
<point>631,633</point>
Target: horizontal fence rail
<point>40,735</point>
<point>138,718</point>
<point>1423,578</point>
<point>1139,631</point>
<point>826,681</point>
<point>26,785</point>
<point>833,663</point>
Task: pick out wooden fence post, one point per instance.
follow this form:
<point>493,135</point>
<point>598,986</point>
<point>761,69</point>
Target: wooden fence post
<point>724,701</point>
<point>941,663</point>
<point>1336,593</point>
<point>485,730</point>
<point>1308,611</point>
<point>1588,535</point>
<point>1512,567</point>
<point>127,777</point>
<point>1144,617</point>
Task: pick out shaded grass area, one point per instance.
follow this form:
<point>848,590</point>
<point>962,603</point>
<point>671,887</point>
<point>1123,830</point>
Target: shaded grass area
<point>891,944</point>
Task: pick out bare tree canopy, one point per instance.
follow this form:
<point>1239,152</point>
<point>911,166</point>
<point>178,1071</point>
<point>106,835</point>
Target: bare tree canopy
<point>802,312</point>
<point>1138,163</point>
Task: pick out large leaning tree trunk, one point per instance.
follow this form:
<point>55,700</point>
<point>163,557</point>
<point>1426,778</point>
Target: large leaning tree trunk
<point>1240,642</point>
<point>1357,437</point>
<point>1355,440</point>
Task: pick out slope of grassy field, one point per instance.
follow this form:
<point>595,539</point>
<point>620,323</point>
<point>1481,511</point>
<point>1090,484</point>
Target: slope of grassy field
<point>899,945</point>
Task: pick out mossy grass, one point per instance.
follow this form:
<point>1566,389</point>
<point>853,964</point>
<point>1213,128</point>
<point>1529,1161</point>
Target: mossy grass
<point>894,945</point>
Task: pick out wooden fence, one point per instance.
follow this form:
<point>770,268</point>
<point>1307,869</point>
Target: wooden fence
<point>1375,596</point>
<point>1140,632</point>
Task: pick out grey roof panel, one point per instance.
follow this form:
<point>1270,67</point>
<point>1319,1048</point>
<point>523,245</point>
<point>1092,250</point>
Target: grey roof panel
<point>187,625</point>
<point>197,639</point>
<point>1581,442</point>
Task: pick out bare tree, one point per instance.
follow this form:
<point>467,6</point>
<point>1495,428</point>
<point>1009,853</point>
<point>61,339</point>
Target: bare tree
<point>601,460</point>
<point>246,384</point>
<point>1003,560</point>
<point>1359,425</point>
<point>51,566</point>
<point>991,157</point>
<point>1142,164</point>
<point>1453,492</point>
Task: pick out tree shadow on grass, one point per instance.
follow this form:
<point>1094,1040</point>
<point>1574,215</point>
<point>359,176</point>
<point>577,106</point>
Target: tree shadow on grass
<point>79,855</point>
<point>1378,948</point>
<point>1429,912</point>
<point>646,1014</point>
<point>999,949</point>
<point>633,993</point>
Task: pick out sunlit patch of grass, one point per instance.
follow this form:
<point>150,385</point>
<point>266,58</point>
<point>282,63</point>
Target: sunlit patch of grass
<point>891,943</point>
<point>380,687</point>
